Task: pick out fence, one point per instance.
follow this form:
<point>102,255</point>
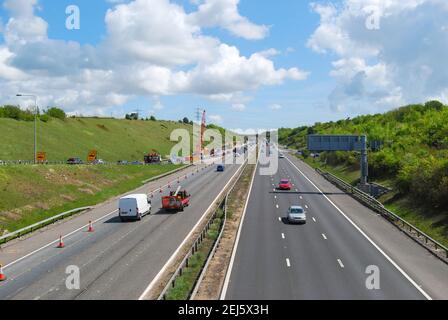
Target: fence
<point>41,224</point>
<point>423,239</point>
<point>222,209</point>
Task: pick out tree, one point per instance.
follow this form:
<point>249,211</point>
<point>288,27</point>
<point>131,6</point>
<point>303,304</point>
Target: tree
<point>186,121</point>
<point>152,118</point>
<point>56,113</point>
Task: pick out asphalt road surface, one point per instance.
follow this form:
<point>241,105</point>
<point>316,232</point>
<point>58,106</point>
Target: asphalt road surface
<point>118,260</point>
<point>326,259</point>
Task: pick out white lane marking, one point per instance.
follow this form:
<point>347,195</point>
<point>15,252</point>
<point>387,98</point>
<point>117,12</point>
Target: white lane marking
<point>71,233</point>
<point>288,263</point>
<point>301,197</point>
<point>306,207</point>
<point>277,206</point>
<point>275,197</point>
<point>341,264</point>
<point>297,190</point>
<point>283,236</point>
<point>237,240</point>
<point>427,296</point>
<point>173,256</point>
<point>314,219</point>
<point>324,236</point>
<point>280,219</point>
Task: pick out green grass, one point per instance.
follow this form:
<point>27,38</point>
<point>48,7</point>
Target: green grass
<point>113,139</point>
<point>29,194</point>
<point>185,283</point>
<point>432,221</point>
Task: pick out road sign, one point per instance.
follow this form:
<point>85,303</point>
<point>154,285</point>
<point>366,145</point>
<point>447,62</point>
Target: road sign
<point>92,155</point>
<point>318,143</point>
<point>335,143</point>
<point>41,156</point>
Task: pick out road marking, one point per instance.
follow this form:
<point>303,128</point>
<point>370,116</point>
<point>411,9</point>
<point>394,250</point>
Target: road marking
<point>314,219</point>
<point>427,296</point>
<point>275,197</point>
<point>341,264</point>
<point>237,240</point>
<point>280,219</point>
<point>173,256</point>
<point>277,206</point>
<point>324,236</point>
<point>288,263</point>
<point>306,207</point>
<point>301,197</point>
<point>283,236</point>
<point>297,190</point>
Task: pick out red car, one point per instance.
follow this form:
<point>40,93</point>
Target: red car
<point>284,185</point>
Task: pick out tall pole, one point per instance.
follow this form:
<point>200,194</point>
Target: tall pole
<point>35,122</point>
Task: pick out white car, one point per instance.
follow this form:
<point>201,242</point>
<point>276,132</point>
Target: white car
<point>134,207</point>
<point>296,214</point>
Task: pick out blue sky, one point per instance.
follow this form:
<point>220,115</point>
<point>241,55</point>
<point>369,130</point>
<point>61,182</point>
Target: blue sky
<point>318,75</point>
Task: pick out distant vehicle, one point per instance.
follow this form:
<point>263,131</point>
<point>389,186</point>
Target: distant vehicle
<point>296,214</point>
<point>153,157</point>
<point>122,162</point>
<point>134,207</point>
<point>73,161</point>
<point>284,185</point>
<point>99,161</point>
<point>137,163</point>
<point>177,200</point>
<point>220,168</point>
<point>281,156</point>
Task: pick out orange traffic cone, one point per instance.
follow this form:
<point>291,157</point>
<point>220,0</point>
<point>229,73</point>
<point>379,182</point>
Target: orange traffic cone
<point>61,243</point>
<point>2,275</point>
<point>161,190</point>
<point>90,227</point>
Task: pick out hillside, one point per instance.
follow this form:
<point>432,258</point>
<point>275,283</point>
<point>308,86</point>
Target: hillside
<point>74,137</point>
<point>413,159</point>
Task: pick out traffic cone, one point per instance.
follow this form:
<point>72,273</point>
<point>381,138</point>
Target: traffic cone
<point>2,275</point>
<point>90,227</point>
<point>61,243</point>
<point>161,190</point>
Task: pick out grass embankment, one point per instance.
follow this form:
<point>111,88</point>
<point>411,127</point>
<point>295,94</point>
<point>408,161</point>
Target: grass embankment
<point>113,139</point>
<point>185,283</point>
<point>29,194</point>
<point>430,221</point>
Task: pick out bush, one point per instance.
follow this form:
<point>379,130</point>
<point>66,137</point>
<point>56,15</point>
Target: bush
<point>56,113</point>
<point>45,118</point>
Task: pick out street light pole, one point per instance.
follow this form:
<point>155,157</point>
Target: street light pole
<point>35,122</point>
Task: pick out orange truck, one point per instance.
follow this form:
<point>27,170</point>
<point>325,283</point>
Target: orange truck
<point>176,201</point>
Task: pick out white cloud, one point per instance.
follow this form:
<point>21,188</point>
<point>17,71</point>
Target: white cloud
<point>215,118</point>
<point>152,48</point>
<point>275,107</point>
<point>238,107</point>
<point>401,62</point>
<point>224,14</point>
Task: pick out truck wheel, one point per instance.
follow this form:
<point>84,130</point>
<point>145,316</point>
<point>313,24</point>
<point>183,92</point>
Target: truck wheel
<point>182,209</point>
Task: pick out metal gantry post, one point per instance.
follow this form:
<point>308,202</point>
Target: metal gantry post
<point>364,161</point>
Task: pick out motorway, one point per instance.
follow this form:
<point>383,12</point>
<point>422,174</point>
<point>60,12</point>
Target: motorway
<point>328,257</point>
<point>118,260</point>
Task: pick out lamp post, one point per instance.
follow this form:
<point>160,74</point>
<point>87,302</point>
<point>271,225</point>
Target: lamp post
<point>35,122</point>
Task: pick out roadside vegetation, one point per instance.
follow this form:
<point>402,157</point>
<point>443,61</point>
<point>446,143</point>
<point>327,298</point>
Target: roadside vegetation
<point>411,156</point>
<point>29,194</point>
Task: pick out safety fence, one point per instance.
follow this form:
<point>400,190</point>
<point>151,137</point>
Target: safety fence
<point>422,238</point>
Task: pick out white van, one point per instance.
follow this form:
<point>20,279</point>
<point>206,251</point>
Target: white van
<point>134,207</point>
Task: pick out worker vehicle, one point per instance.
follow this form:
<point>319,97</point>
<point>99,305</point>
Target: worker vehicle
<point>177,200</point>
<point>134,207</point>
<point>220,168</point>
<point>284,184</point>
<point>153,157</point>
<point>296,214</point>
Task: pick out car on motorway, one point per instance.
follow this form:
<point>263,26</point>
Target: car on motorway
<point>281,156</point>
<point>99,161</point>
<point>137,163</point>
<point>122,162</point>
<point>73,161</point>
<point>284,184</point>
<point>220,168</point>
<point>134,207</point>
<point>296,214</point>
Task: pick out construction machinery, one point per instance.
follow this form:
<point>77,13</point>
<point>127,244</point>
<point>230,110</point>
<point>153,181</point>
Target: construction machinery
<point>153,157</point>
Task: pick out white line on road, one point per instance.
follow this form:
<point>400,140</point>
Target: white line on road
<point>341,264</point>
<point>283,236</point>
<point>314,219</point>
<point>288,263</point>
<point>427,296</point>
<point>324,236</point>
<point>301,197</point>
<point>306,207</point>
<point>277,206</point>
<point>280,219</point>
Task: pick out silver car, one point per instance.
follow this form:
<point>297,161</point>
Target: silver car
<point>296,214</point>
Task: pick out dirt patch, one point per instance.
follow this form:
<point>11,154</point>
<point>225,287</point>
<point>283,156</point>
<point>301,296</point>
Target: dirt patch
<point>210,288</point>
<point>67,197</point>
<point>86,190</point>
